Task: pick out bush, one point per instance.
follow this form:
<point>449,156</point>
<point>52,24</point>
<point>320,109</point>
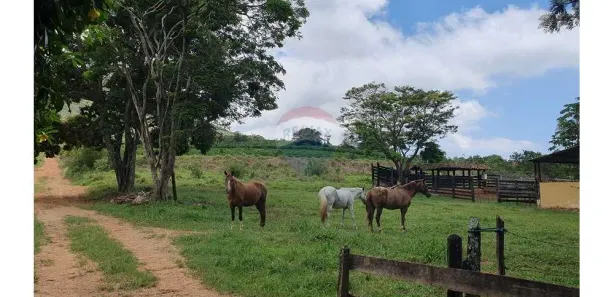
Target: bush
<point>195,170</point>
<point>315,167</point>
<point>237,170</point>
<point>82,159</point>
<point>102,164</point>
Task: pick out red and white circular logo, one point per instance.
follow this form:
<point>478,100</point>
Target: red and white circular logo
<point>302,117</point>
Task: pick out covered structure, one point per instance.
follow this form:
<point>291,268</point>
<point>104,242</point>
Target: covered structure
<point>465,169</point>
<point>558,194</point>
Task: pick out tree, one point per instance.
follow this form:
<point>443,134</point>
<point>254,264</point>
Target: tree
<point>560,16</point>
<point>522,161</point>
<point>432,153</point>
<point>201,60</point>
<point>55,67</point>
<point>307,136</point>
<point>397,123</point>
<point>567,133</point>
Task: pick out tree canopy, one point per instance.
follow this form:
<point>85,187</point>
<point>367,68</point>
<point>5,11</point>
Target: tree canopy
<point>55,66</point>
<point>567,133</point>
<point>432,153</point>
<point>562,13</point>
<point>397,122</point>
<point>307,136</point>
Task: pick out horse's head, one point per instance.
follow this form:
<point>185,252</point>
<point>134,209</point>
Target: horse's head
<point>422,187</point>
<point>230,181</point>
<point>363,195</point>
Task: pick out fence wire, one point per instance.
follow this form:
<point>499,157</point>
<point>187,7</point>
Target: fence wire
<point>542,241</point>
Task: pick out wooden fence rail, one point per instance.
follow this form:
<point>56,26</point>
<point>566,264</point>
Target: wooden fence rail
<point>517,191</point>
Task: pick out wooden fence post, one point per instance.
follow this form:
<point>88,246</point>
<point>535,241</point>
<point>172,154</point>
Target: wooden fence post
<point>455,258</point>
<point>500,245</point>
<point>474,245</point>
<point>472,189</point>
<point>343,284</point>
<point>174,185</point>
<point>453,187</point>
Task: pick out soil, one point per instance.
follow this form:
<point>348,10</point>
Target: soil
<point>61,273</point>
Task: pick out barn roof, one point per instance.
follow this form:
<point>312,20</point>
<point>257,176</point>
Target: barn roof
<point>455,166</point>
<point>569,156</point>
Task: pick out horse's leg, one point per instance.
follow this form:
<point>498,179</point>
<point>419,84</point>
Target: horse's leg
<point>403,212</point>
<point>378,216</point>
<point>329,212</point>
<point>232,211</point>
<point>260,206</point>
<point>240,217</point>
<point>370,210</point>
<point>352,214</point>
<point>342,217</point>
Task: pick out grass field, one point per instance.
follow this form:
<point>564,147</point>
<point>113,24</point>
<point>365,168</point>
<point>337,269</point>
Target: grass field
<point>118,265</point>
<point>295,256</point>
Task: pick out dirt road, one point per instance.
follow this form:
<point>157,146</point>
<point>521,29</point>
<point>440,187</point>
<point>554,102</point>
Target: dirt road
<point>62,273</point>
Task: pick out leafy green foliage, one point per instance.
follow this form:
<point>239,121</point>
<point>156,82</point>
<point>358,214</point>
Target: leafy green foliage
<point>81,159</point>
<point>432,153</point>
<point>563,13</point>
<point>196,170</point>
<point>307,136</point>
<point>55,65</point>
<point>315,167</point>
<point>567,132</point>
<point>399,122</point>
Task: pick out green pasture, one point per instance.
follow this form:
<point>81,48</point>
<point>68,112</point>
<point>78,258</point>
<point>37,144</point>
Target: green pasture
<point>293,255</point>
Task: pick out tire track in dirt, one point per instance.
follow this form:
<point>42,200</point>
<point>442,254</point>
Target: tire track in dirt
<point>151,246</point>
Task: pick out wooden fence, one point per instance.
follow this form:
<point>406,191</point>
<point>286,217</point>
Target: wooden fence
<point>526,191</point>
<point>455,186</point>
<point>463,187</point>
<point>461,276</point>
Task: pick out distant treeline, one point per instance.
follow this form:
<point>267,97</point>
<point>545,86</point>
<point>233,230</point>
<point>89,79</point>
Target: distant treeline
<point>517,165</point>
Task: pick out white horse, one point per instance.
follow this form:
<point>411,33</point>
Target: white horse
<point>339,198</point>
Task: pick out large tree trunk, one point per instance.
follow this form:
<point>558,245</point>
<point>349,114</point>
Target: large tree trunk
<point>124,167</point>
<point>400,168</point>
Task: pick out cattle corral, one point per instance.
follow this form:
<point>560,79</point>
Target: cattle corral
<point>473,188</point>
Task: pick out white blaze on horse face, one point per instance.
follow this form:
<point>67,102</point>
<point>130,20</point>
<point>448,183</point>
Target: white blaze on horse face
<point>228,188</point>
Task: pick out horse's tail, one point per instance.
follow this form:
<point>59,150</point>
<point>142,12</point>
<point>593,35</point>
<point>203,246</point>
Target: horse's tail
<point>323,206</point>
<point>369,205</point>
<point>261,204</point>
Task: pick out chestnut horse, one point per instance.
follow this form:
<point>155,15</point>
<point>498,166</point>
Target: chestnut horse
<point>245,194</point>
<point>397,197</point>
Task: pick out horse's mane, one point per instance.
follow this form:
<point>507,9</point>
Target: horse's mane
<point>411,184</point>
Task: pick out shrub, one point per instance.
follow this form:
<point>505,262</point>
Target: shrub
<point>315,167</point>
<point>237,170</point>
<point>195,170</point>
<point>82,159</point>
<point>102,164</point>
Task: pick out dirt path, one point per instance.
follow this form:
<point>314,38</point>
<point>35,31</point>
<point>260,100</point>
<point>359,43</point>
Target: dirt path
<point>58,270</point>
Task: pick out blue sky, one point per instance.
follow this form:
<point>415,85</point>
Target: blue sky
<point>512,79</point>
<point>526,107</point>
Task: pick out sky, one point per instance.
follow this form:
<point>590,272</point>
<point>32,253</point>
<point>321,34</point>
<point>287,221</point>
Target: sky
<point>511,78</point>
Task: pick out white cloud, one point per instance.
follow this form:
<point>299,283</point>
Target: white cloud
<point>342,47</point>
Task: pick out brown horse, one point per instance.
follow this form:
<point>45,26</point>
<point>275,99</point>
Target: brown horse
<point>397,197</point>
<point>245,194</point>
